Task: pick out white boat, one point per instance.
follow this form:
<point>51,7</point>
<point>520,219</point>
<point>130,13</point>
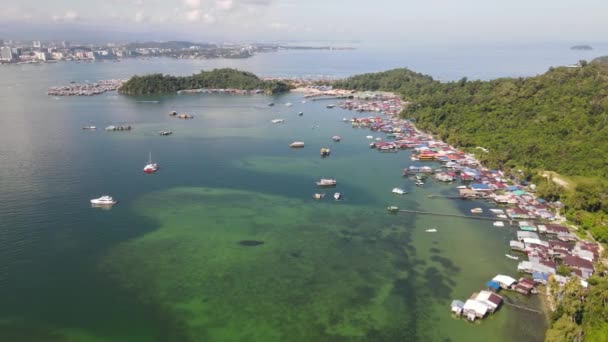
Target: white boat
<point>432,230</point>
<point>303,101</point>
<point>300,113</point>
<point>103,200</point>
<point>497,211</point>
<point>345,120</point>
<point>90,128</point>
<point>276,121</point>
<point>399,191</point>
<point>419,182</point>
<point>369,137</point>
<point>327,182</point>
<point>502,216</point>
<point>296,144</point>
<point>511,257</point>
<point>337,196</point>
<point>150,167</point>
<point>336,138</point>
<point>461,187</point>
<point>378,139</point>
<point>289,104</point>
<point>499,224</point>
<point>319,196</point>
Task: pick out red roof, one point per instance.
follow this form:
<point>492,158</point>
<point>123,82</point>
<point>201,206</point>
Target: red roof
<point>574,261</point>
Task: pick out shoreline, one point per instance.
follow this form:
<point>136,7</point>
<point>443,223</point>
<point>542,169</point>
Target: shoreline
<point>546,304</point>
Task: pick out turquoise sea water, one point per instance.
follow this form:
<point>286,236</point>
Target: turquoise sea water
<point>165,264</point>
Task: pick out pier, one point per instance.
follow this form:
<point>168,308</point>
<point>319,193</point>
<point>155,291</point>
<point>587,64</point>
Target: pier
<point>483,218</point>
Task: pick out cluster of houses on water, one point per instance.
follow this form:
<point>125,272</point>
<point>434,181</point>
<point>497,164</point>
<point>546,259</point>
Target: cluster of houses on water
<point>85,89</point>
<point>546,244</point>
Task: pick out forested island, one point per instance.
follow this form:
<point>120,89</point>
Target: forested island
<point>550,130</point>
<point>215,79</point>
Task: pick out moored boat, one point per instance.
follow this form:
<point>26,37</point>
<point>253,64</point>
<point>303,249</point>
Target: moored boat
<point>392,209</point>
<point>476,210</point>
<point>103,200</point>
<point>300,113</point>
<point>276,121</point>
<point>498,224</point>
<point>431,230</point>
<point>326,182</point>
<point>399,191</point>
<point>337,196</point>
<point>150,167</point>
<point>325,152</point>
<point>419,182</point>
<point>89,128</point>
<point>297,144</point>
<point>512,257</point>
<point>336,138</point>
<point>165,132</point>
<point>319,196</point>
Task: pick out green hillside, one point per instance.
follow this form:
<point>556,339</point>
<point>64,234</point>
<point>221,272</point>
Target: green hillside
<point>217,79</point>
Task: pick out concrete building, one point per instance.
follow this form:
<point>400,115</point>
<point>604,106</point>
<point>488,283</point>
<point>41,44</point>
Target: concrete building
<point>6,54</point>
<point>36,44</point>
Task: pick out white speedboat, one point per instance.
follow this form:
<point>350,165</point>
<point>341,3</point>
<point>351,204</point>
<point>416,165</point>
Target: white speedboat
<point>399,191</point>
<point>419,182</point>
<point>276,121</point>
<point>327,182</point>
<point>476,210</point>
<point>150,167</point>
<point>103,200</point>
<point>512,257</point>
<point>432,230</point>
<point>319,196</point>
<point>296,144</point>
<point>89,128</point>
<point>289,104</point>
<point>370,137</point>
<point>499,224</point>
<point>337,196</point>
<point>336,138</point>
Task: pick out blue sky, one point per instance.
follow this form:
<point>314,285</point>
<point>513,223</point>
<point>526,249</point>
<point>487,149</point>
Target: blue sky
<point>404,20</point>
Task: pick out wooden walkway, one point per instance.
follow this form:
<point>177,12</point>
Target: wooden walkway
<point>522,307</point>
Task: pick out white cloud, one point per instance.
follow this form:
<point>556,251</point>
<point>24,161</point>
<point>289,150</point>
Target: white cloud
<point>194,15</point>
<point>192,3</point>
<point>139,17</point>
<point>224,4</point>
<point>69,15</point>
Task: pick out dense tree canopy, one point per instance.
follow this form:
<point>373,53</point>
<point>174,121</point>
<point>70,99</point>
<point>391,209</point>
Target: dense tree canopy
<point>217,79</point>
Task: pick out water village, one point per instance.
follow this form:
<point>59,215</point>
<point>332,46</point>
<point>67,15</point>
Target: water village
<point>86,89</point>
<point>541,238</point>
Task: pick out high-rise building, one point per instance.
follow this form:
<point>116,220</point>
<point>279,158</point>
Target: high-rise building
<point>6,54</point>
<point>36,44</point>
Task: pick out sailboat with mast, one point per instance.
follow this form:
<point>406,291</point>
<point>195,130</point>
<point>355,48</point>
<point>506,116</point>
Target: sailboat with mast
<point>150,167</point>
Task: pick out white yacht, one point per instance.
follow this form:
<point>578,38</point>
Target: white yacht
<point>327,182</point>
<point>103,200</point>
<point>150,167</point>
<point>337,196</point>
<point>399,191</point>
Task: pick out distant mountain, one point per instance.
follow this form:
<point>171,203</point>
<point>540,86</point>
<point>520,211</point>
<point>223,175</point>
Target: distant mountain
<point>600,60</point>
<point>581,47</point>
<point>174,45</point>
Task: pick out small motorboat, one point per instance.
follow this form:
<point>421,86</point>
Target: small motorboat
<point>89,128</point>
<point>498,224</point>
<point>378,139</point>
<point>330,106</point>
<point>461,187</point>
<point>300,113</point>
<point>297,144</point>
<point>276,121</point>
<point>432,230</point>
<point>502,216</point>
<point>497,211</point>
<point>399,191</point>
<point>370,137</point>
<point>325,152</point>
<point>150,167</point>
<point>327,182</point>
<point>288,104</point>
<point>173,113</point>
<point>337,196</point>
<point>185,116</point>
<point>476,210</point>
<point>271,104</point>
<point>392,209</point>
<point>336,138</point>
<point>303,101</point>
<point>319,196</point>
<point>103,200</point>
<point>512,257</point>
<point>419,182</point>
<point>345,120</point>
<point>165,133</point>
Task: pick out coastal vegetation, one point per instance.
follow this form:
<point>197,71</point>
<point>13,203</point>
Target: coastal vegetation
<point>549,130</point>
<point>215,79</point>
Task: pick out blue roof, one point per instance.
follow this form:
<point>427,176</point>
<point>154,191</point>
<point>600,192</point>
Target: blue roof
<point>540,200</point>
<point>480,186</point>
<point>512,188</point>
<point>493,285</point>
<point>540,275</point>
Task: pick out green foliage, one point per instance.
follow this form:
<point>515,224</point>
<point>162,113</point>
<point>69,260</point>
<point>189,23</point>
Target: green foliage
<point>556,121</point>
<point>563,270</point>
<point>217,78</point>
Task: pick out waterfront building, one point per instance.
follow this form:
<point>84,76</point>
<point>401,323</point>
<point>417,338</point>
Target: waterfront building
<point>6,54</point>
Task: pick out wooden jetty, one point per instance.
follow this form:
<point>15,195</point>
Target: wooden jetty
<point>484,218</point>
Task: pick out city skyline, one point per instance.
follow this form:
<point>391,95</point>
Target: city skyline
<point>207,20</point>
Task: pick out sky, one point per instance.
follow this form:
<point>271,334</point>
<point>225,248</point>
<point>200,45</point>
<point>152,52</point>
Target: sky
<point>413,21</point>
